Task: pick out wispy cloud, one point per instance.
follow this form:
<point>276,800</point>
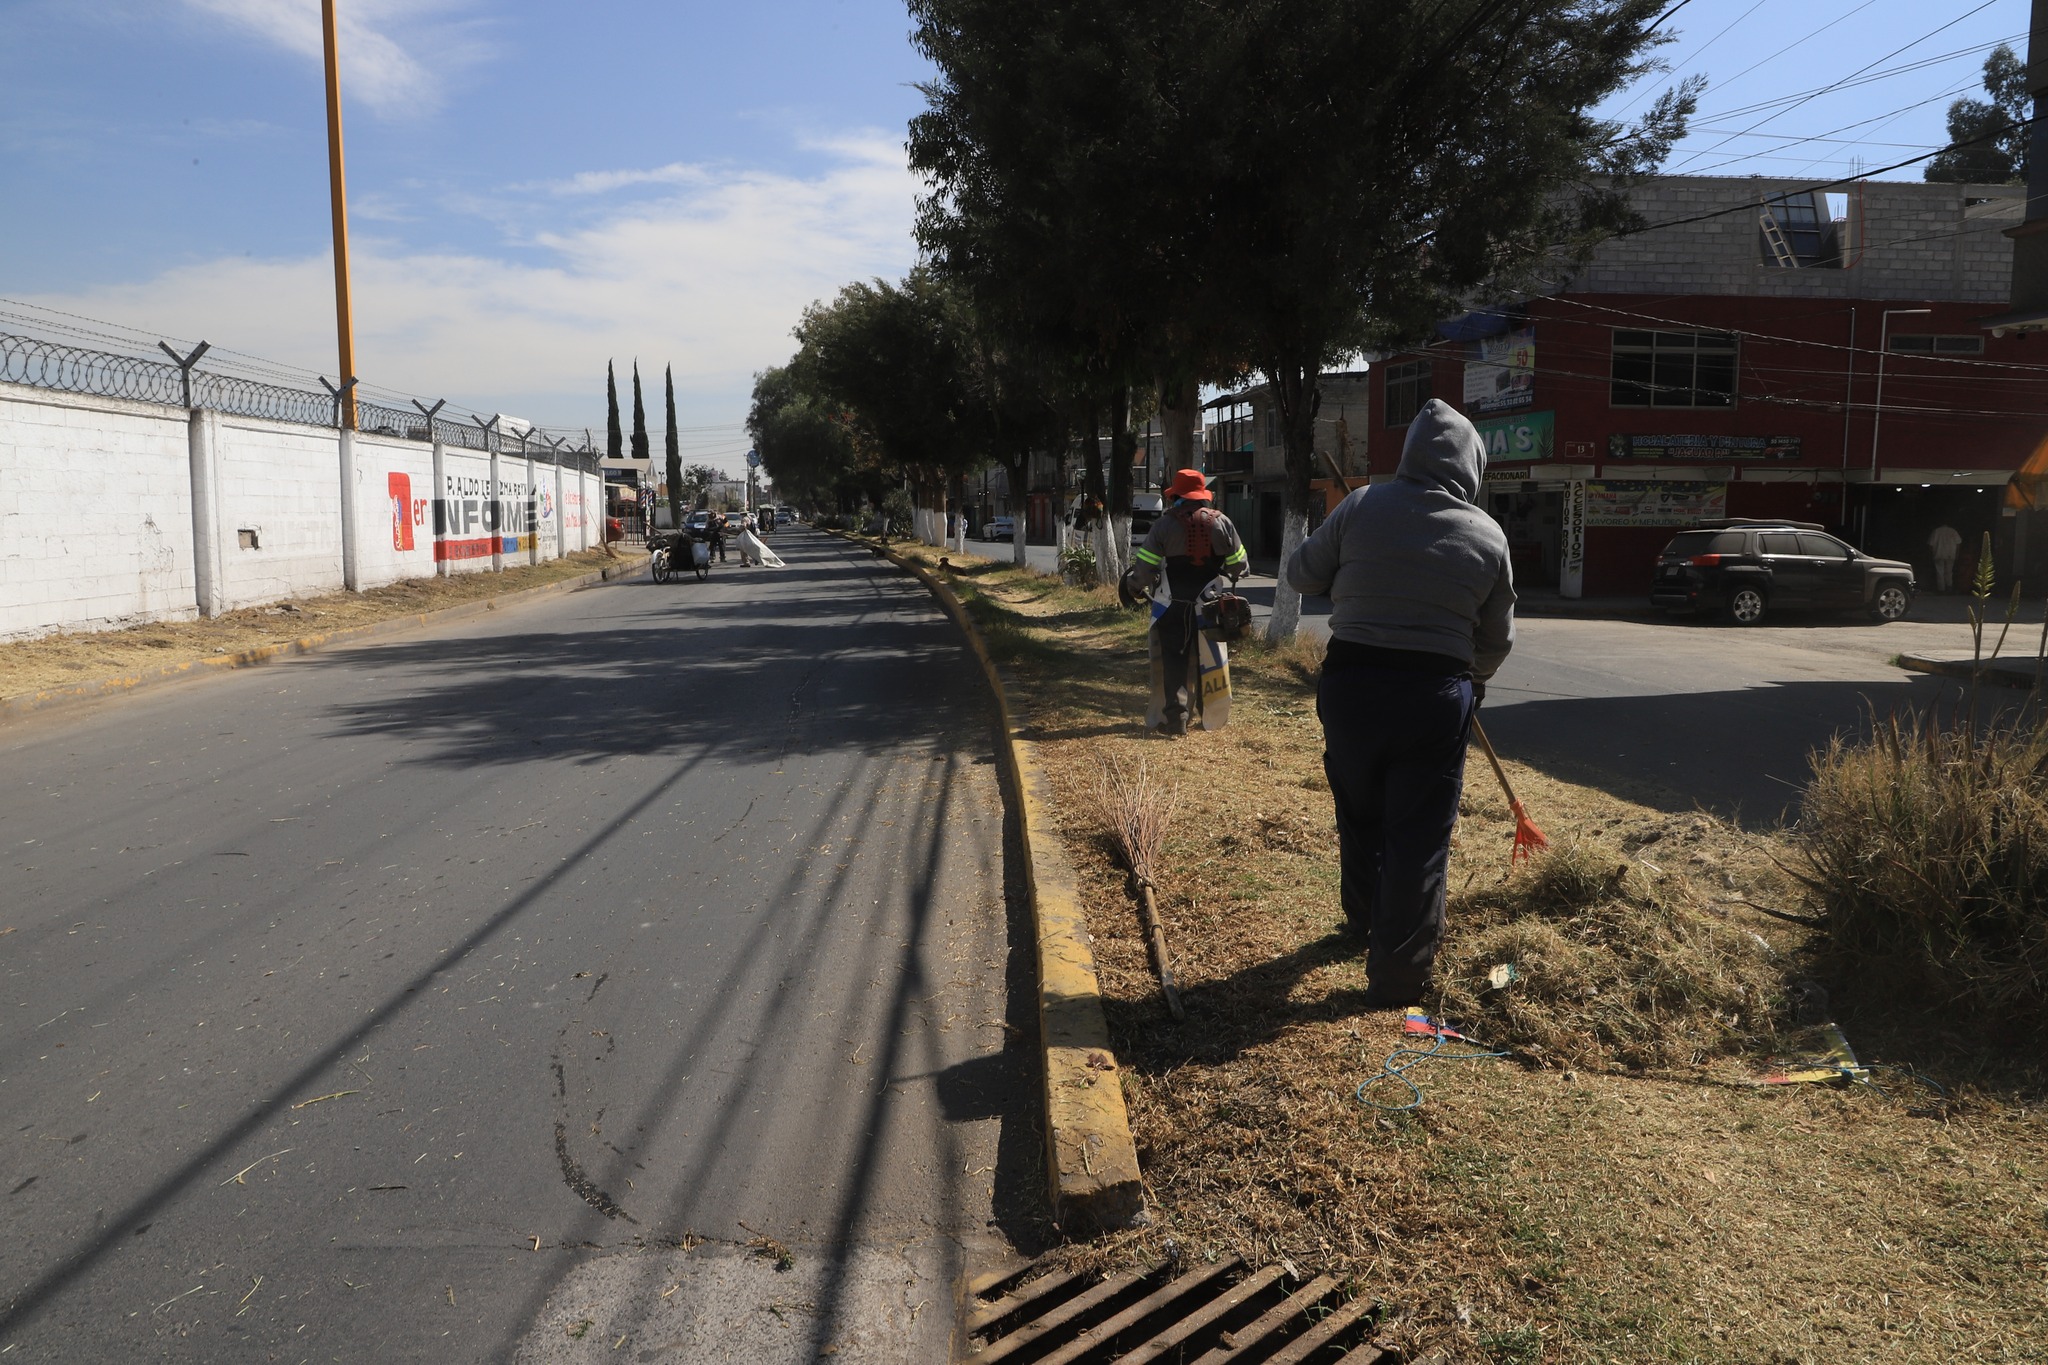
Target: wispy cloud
<point>605,182</point>
<point>386,45</point>
<point>710,276</point>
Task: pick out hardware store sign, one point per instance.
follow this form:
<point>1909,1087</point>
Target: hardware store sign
<point>1653,502</point>
<point>1692,446</point>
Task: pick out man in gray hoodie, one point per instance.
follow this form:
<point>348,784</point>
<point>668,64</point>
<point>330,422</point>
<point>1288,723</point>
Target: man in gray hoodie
<point>1423,604</point>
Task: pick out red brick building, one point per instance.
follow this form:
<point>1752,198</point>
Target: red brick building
<point>1731,366</point>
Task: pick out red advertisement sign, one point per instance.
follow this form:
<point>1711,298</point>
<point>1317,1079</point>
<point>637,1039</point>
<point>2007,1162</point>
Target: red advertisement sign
<point>400,486</point>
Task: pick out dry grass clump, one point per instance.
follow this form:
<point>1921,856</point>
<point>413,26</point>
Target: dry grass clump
<point>1928,849</point>
<point>1612,967</point>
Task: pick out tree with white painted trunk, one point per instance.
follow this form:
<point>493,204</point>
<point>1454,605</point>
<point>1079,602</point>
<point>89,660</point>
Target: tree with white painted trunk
<point>1374,166</point>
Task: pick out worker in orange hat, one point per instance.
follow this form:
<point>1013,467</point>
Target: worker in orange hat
<point>1188,549</point>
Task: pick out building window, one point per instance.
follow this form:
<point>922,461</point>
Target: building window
<point>1938,345</point>
<point>1796,234</point>
<point>1673,370</point>
<point>1407,391</point>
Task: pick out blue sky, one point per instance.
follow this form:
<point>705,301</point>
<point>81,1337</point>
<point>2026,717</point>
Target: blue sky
<point>539,185</point>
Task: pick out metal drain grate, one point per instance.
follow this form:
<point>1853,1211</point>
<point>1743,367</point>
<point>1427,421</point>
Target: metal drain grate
<point>1221,1314</point>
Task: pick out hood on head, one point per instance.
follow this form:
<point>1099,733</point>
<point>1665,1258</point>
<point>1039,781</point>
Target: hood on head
<point>1445,451</point>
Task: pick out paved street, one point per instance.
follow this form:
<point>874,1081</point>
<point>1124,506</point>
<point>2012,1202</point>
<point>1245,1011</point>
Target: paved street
<point>625,970</point>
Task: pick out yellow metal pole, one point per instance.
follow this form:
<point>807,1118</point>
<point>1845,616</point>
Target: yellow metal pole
<point>344,321</point>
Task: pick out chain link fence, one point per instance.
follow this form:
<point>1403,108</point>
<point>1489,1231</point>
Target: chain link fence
<point>43,364</point>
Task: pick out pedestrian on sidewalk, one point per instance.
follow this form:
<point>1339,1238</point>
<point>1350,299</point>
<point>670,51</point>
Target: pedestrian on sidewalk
<point>1186,551</point>
<point>1945,541</point>
<point>1422,613</point>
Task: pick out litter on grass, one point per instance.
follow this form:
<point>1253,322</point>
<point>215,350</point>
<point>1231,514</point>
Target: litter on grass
<point>1831,1059</point>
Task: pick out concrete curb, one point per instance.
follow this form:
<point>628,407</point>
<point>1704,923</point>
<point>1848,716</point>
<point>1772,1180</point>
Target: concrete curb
<point>15,708</point>
<point>1991,670</point>
<point>1091,1158</point>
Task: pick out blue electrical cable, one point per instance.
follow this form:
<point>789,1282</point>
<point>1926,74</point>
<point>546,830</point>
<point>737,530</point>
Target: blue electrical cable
<point>1434,1052</point>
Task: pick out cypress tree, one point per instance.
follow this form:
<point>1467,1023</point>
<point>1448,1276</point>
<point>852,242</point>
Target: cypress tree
<point>675,454</point>
<point>614,443</point>
<point>639,418</point>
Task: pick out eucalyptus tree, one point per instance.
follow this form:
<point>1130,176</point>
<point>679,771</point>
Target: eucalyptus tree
<point>1179,187</point>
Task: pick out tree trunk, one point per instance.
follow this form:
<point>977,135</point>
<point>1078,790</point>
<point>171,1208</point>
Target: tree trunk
<point>1180,413</point>
<point>1059,494</point>
<point>1123,448</point>
<point>1018,472</point>
<point>1296,393</point>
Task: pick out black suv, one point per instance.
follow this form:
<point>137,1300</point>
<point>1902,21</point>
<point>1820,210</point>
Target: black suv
<point>1739,568</point>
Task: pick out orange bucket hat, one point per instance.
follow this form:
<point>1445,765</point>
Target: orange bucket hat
<point>1189,484</point>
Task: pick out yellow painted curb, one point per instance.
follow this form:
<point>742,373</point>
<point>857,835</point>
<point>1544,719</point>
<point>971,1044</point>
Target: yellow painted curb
<point>1091,1158</point>
<point>14,708</point>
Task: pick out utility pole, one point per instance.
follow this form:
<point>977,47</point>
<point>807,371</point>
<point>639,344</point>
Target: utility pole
<point>344,322</point>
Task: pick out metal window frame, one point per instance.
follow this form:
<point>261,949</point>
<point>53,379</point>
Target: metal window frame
<point>1665,342</point>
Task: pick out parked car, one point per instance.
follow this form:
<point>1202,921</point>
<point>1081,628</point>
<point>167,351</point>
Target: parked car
<point>736,522</point>
<point>697,522</point>
<point>1740,568</point>
<point>1146,508</point>
<point>999,528</point>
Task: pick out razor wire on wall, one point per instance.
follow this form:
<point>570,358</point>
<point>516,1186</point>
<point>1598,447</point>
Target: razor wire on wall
<point>74,369</point>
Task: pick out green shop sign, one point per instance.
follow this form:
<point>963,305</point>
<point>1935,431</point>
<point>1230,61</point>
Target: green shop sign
<point>1531,436</point>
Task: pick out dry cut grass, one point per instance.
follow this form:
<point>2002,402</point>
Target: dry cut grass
<point>1617,1190</point>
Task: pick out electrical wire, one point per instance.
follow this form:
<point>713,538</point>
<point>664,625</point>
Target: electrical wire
<point>1987,4</point>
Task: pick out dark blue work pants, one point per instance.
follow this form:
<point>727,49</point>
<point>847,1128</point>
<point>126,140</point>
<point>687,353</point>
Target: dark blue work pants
<point>1394,752</point>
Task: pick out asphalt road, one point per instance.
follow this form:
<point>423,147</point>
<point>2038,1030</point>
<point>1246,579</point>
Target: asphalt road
<point>621,972</point>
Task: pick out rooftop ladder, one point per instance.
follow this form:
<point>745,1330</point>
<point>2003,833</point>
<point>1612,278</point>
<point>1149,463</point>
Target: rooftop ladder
<point>1774,237</point>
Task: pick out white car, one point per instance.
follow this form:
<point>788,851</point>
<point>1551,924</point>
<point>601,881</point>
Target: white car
<point>999,528</point>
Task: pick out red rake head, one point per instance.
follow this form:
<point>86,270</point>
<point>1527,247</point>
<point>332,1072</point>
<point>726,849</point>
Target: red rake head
<point>1528,838</point>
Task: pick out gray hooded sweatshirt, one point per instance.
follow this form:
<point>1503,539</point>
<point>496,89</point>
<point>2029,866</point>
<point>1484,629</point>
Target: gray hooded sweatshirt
<point>1413,563</point>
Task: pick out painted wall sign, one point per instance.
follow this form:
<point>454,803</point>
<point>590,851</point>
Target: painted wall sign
<point>1500,374</point>
<point>1649,502</point>
<point>1529,437</point>
<point>1696,446</point>
<point>471,523</point>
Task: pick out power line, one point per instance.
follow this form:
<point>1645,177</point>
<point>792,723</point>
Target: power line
<point>1987,4</point>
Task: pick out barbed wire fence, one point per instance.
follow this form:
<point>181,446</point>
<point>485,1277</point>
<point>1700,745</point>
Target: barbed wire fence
<point>37,362</point>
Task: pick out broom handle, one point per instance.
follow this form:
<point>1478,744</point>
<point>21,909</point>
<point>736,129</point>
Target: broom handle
<point>1479,733</point>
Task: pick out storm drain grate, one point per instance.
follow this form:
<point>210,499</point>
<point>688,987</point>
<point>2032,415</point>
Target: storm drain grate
<point>1174,1314</point>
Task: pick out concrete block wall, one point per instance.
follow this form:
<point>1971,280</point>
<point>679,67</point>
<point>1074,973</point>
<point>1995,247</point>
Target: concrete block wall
<point>98,527</point>
<point>1903,240</point>
<point>280,487</point>
<point>95,513</point>
<point>394,509</point>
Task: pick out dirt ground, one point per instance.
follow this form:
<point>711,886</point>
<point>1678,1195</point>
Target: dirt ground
<point>1573,1203</point>
<point>66,660</point>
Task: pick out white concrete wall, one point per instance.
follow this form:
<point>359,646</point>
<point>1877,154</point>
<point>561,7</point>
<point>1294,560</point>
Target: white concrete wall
<point>282,483</point>
<point>394,509</point>
<point>465,515</point>
<point>95,514</point>
<point>97,518</point>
